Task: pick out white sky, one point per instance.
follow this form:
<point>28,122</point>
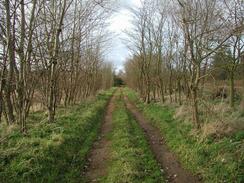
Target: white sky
<point>119,22</point>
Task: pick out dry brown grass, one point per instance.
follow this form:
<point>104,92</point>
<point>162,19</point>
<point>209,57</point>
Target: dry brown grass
<point>217,120</point>
<point>6,131</point>
<point>213,86</point>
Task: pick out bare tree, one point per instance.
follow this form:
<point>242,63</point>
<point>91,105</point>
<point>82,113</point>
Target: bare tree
<point>200,29</point>
<point>174,51</point>
<point>47,48</point>
<point>11,61</point>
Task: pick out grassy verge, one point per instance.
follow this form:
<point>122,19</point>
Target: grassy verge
<point>53,152</point>
<point>217,160</point>
<point>132,159</point>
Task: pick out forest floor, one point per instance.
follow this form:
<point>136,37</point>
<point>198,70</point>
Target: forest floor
<point>116,138</point>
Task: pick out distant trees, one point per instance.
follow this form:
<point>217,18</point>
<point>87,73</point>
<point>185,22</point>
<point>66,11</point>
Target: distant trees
<point>242,76</point>
<point>220,63</point>
<point>52,49</point>
<point>236,42</point>
<point>179,45</point>
<point>145,40</point>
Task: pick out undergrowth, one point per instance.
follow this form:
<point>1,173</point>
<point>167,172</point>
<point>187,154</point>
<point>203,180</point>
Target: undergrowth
<point>216,160</point>
<point>132,159</point>
<point>53,152</point>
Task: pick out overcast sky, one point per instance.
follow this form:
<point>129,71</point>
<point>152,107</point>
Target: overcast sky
<point>119,22</point>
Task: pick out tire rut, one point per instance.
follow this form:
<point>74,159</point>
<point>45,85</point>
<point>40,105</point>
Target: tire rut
<point>169,163</point>
<point>99,156</point>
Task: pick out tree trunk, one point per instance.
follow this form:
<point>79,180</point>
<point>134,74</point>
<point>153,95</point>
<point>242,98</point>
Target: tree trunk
<point>21,83</point>
<point>1,106</point>
<point>162,90</point>
<point>175,93</point>
<point>204,78</point>
<point>194,95</point>
<point>179,91</point>
<point>232,90</point>
<point>195,112</point>
<point>54,58</point>
<point>170,85</point>
<point>2,83</point>
<point>154,93</point>
<point>51,101</point>
<point>9,83</point>
<point>242,77</point>
<point>148,100</point>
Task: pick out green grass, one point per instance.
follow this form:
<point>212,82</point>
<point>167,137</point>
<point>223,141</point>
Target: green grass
<point>132,159</point>
<point>215,160</point>
<point>53,152</point>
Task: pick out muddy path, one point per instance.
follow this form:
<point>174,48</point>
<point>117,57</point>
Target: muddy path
<point>99,156</point>
<point>168,161</point>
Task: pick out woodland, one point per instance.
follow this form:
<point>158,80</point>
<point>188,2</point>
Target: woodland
<point>174,113</point>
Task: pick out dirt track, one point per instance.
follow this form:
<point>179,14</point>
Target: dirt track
<point>174,172</point>
<point>99,155</point>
